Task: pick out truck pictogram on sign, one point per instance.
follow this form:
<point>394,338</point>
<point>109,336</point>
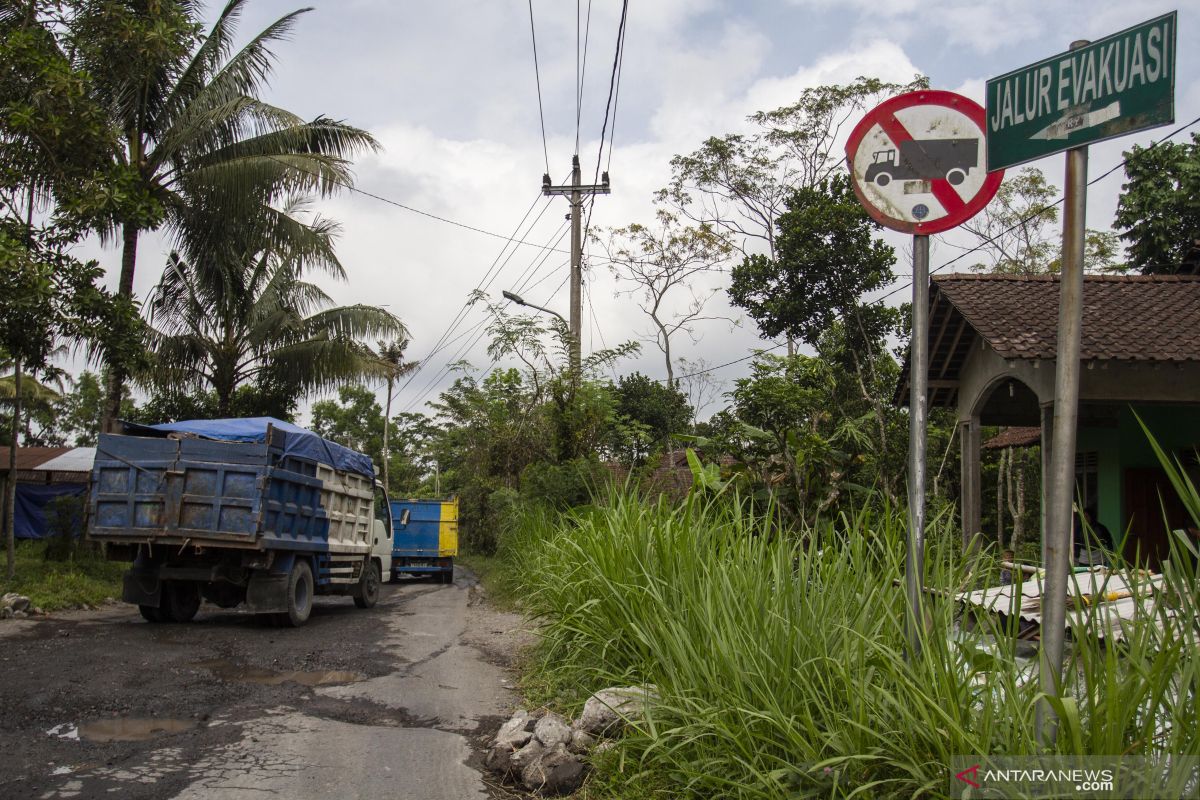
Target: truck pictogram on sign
<point>926,159</point>
<point>916,162</point>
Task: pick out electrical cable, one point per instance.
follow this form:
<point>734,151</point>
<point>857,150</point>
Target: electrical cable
<point>356,190</point>
<point>538,76</point>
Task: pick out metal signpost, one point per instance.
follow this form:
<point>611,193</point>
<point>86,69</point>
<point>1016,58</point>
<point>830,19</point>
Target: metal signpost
<point>917,165</point>
<point>1097,90</point>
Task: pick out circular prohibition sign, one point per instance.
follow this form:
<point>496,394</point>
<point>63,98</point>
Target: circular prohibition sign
<point>917,162</point>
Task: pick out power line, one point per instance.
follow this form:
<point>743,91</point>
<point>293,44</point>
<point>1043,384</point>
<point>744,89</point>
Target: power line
<point>397,204</point>
<point>457,320</point>
<point>538,76</point>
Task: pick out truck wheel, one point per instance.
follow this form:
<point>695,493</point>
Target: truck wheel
<point>368,586</point>
<point>152,613</point>
<point>883,179</point>
<point>956,176</point>
<point>299,594</point>
<point>448,576</point>
<point>182,601</point>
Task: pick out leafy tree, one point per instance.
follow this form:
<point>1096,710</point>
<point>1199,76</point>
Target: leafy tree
<point>658,411</point>
<point>794,443</point>
<point>827,259</point>
<point>1159,210</point>
<point>663,261</point>
<point>194,131</point>
<point>1019,231</point>
<point>246,315</point>
<point>391,355</point>
<point>739,184</point>
<point>46,297</point>
<point>356,421</point>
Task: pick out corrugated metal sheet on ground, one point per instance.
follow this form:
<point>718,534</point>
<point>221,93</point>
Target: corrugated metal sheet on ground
<point>1088,601</point>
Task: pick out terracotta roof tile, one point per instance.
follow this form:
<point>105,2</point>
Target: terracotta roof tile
<point>1125,318</point>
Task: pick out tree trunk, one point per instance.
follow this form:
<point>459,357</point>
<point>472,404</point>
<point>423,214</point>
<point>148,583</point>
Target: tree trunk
<point>387,424</point>
<point>10,488</point>
<point>224,401</point>
<point>1000,499</point>
<point>1017,510</point>
<point>116,371</point>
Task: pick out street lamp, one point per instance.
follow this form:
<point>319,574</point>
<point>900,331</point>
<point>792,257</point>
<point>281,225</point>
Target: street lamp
<point>516,298</point>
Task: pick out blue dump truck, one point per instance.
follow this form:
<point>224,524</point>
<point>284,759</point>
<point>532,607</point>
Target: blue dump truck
<point>425,537</point>
<point>255,512</point>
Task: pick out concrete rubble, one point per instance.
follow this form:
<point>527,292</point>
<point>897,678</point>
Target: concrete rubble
<point>545,753</point>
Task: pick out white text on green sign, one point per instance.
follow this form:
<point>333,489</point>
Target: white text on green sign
<point>1122,83</point>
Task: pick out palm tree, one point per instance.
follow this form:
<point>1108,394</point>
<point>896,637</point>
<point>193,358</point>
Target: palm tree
<point>391,355</point>
<point>193,129</point>
<point>246,314</point>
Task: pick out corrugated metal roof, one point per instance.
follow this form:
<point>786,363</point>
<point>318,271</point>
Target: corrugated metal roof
<point>31,457</point>
<point>1102,602</point>
<point>78,459</point>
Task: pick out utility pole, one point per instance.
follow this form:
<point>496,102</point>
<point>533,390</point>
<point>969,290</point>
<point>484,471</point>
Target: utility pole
<point>575,190</point>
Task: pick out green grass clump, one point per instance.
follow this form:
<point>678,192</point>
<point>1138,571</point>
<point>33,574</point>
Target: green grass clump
<point>780,660</point>
<point>84,580</point>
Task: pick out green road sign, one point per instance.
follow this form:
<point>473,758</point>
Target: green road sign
<point>1114,86</point>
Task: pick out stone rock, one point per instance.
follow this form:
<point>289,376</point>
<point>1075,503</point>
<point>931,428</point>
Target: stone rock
<point>603,747</point>
<point>5,612</point>
<point>517,731</point>
<point>530,753</point>
<point>552,730</point>
<point>608,710</point>
<point>499,759</point>
<point>580,742</point>
<point>19,615</point>
<point>555,772</point>
<point>15,601</point>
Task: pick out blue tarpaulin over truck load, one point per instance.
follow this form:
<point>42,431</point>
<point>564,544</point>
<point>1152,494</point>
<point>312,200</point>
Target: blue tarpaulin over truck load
<point>300,442</point>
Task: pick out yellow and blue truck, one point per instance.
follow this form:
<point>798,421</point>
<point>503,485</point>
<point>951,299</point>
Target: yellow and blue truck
<point>425,538</point>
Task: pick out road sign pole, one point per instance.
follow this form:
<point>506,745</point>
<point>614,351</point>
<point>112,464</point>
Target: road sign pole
<point>918,418</point>
<point>1056,540</point>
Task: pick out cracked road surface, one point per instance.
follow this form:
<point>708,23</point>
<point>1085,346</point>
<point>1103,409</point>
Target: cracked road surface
<point>392,702</point>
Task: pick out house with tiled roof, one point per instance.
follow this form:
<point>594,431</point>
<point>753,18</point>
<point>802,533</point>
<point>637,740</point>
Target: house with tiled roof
<point>993,345</point>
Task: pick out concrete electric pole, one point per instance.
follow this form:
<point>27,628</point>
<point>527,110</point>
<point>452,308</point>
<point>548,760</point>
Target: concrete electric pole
<point>575,190</point>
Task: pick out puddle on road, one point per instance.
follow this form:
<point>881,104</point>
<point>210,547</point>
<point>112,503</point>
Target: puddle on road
<point>131,729</point>
<point>227,670</point>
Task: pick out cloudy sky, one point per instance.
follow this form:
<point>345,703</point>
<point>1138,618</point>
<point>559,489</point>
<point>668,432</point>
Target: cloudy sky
<point>449,90</point>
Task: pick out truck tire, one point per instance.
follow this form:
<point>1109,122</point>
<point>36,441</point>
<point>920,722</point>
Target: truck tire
<point>182,601</point>
<point>368,586</point>
<point>152,613</point>
<point>956,176</point>
<point>883,179</point>
<point>447,577</point>
<point>299,595</point>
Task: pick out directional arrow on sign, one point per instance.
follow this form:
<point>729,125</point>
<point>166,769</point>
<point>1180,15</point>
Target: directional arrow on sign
<point>1074,121</point>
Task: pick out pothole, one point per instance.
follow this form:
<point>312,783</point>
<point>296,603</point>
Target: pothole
<point>227,670</point>
<point>132,729</point>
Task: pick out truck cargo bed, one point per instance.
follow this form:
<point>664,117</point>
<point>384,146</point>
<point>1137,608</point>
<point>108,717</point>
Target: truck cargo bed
<point>250,495</point>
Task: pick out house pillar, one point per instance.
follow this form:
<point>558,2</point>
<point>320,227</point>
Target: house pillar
<point>972,494</point>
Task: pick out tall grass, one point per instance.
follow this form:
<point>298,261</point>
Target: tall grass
<point>780,664</point>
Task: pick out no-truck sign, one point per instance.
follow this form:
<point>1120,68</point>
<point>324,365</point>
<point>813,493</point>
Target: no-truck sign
<point>917,162</point>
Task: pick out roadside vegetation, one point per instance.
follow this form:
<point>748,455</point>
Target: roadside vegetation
<point>779,655</point>
<point>54,581</point>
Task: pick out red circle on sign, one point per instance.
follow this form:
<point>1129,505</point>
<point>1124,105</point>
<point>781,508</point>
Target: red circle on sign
<point>958,210</point>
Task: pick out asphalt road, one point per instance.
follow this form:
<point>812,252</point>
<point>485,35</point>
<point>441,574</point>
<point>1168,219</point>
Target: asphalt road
<point>392,702</point>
